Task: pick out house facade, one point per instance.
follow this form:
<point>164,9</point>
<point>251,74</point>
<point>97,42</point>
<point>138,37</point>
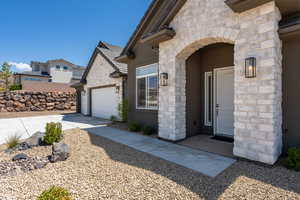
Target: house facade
<point>220,67</point>
<point>101,88</point>
<point>19,78</point>
<point>60,70</point>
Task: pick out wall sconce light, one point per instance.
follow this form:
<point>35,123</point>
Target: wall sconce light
<point>117,89</point>
<point>163,79</point>
<point>250,67</point>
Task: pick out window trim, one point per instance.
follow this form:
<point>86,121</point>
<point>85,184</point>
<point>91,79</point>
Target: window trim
<point>208,100</point>
<point>147,92</point>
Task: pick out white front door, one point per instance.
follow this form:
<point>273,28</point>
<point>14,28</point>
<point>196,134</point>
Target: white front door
<point>224,101</point>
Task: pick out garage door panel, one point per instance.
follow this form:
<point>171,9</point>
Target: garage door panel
<point>104,102</point>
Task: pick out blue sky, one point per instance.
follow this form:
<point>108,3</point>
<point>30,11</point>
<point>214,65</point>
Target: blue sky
<point>50,29</point>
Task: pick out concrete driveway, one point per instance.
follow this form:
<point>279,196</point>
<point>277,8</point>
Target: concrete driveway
<point>27,126</point>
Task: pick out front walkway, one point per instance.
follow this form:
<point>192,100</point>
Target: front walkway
<point>206,163</point>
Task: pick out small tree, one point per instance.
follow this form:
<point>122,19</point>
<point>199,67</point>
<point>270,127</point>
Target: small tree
<point>53,133</point>
<point>123,108</point>
<point>5,74</point>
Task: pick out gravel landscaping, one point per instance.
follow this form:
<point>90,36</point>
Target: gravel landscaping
<point>101,169</point>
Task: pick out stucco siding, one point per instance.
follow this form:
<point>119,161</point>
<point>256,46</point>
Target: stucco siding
<point>145,55</point>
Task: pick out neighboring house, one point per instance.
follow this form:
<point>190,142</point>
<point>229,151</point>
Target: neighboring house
<point>102,86</point>
<point>61,71</point>
<point>19,78</point>
<point>227,68</point>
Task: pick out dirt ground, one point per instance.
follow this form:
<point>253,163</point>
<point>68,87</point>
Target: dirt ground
<point>4,115</point>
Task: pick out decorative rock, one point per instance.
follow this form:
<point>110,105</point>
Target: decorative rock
<point>23,146</point>
<point>59,107</point>
<point>20,156</point>
<point>10,109</point>
<point>9,103</point>
<point>36,139</point>
<point>20,101</point>
<point>22,165</point>
<point>60,152</point>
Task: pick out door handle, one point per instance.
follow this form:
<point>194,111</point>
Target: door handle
<point>217,109</point>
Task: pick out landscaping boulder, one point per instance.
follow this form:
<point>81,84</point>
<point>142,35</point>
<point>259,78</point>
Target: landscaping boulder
<point>23,146</point>
<point>20,156</point>
<point>36,139</point>
<point>60,152</point>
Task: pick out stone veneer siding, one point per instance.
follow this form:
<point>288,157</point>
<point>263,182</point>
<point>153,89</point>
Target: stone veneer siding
<point>258,112</point>
<point>99,76</point>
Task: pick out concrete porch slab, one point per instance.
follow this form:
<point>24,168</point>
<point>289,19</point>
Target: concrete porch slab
<point>206,163</point>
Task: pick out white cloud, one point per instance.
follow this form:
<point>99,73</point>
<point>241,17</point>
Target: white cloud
<point>21,67</point>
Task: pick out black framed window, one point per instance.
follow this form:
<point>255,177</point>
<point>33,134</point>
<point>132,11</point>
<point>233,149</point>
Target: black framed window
<point>147,87</point>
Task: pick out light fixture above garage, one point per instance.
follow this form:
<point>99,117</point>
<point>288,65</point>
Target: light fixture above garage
<point>250,67</point>
<point>163,79</point>
<point>117,89</point>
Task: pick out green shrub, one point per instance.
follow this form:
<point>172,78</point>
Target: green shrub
<point>123,110</point>
<point>293,160</point>
<point>53,133</point>
<point>15,87</point>
<point>12,141</point>
<point>113,119</point>
<point>134,127</point>
<point>2,89</point>
<point>147,130</point>
<point>55,193</point>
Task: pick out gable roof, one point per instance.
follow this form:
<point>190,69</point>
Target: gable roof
<point>164,11</point>
<point>108,52</point>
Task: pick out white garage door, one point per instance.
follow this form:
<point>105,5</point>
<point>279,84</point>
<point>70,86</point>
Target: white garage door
<point>104,102</point>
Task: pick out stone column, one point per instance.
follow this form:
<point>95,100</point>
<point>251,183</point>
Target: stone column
<point>172,100</point>
<point>258,112</point>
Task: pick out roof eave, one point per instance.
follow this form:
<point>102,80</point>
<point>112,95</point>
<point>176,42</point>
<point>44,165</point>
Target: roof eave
<point>158,37</point>
<point>117,74</point>
<point>129,55</point>
<point>243,5</point>
<point>290,26</point>
<point>122,59</point>
<point>76,85</point>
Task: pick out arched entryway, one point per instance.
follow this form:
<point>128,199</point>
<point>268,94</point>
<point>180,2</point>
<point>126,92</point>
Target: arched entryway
<point>257,101</point>
<point>210,91</point>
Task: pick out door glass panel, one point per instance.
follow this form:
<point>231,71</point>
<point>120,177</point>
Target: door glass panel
<point>208,99</point>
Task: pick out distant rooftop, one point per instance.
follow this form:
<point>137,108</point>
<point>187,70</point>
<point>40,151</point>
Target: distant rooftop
<point>57,61</point>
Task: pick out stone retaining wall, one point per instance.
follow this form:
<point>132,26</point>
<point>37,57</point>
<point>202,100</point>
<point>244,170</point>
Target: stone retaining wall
<point>22,101</point>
